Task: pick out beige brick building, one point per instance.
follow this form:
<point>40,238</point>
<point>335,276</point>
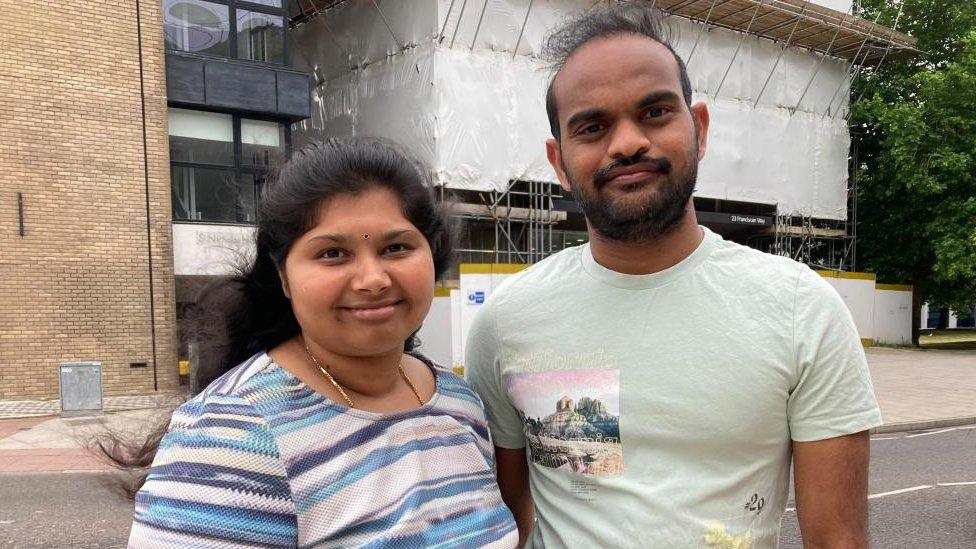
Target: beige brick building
<point>135,137</point>
<point>77,283</point>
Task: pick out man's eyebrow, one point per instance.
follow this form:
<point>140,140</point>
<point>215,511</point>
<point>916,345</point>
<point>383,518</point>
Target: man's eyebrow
<point>658,97</point>
<point>584,116</point>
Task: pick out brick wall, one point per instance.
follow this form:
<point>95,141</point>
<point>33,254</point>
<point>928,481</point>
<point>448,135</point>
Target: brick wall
<point>77,285</point>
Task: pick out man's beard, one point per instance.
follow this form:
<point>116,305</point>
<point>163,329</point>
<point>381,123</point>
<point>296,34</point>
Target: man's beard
<point>658,212</point>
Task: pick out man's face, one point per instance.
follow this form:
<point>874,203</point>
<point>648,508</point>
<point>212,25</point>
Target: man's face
<point>629,145</point>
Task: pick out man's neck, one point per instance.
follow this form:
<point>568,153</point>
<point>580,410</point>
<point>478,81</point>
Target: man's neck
<point>649,256</point>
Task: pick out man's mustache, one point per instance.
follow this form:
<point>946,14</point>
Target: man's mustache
<point>606,173</point>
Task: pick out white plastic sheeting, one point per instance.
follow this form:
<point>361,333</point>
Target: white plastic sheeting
<point>842,6</point>
<point>476,113</point>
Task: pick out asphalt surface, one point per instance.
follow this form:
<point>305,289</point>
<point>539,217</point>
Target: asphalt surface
<point>55,510</point>
<point>85,510</point>
<point>938,512</point>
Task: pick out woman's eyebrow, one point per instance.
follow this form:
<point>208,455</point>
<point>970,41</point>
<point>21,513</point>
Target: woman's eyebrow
<point>342,238</point>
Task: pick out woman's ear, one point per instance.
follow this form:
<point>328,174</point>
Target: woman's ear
<point>284,282</point>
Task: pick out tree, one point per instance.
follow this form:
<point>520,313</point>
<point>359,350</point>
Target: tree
<point>913,129</point>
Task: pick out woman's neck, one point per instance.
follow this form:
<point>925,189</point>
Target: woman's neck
<point>370,378</point>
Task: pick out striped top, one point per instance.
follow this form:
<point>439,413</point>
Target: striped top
<point>259,459</point>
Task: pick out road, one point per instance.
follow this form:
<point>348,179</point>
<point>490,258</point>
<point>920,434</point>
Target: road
<point>938,468</point>
<point>54,510</point>
<point>923,487</point>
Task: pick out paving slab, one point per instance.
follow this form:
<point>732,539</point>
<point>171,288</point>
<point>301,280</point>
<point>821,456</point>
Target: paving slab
<point>930,387</point>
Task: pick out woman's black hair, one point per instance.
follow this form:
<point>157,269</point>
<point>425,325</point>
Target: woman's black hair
<point>241,315</point>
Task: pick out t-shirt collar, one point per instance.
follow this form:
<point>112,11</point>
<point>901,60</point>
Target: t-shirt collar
<point>653,280</point>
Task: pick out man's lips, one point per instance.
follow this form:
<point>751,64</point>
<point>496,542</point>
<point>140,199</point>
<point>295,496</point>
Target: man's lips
<point>631,177</point>
<point>372,311</point>
<point>634,173</point>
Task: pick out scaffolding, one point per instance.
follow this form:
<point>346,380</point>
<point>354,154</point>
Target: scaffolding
<point>825,244</point>
<point>798,23</point>
<point>516,224</point>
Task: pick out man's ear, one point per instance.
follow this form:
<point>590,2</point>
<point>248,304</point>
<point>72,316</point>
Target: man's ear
<point>699,113</point>
<point>284,282</point>
<point>554,154</point>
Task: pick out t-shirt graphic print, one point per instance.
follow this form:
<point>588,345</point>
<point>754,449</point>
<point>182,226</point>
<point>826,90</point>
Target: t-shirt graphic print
<point>571,419</point>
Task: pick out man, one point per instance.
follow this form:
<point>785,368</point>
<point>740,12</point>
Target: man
<point>652,387</point>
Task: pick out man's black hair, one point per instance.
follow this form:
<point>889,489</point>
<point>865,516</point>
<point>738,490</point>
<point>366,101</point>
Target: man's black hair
<point>605,21</point>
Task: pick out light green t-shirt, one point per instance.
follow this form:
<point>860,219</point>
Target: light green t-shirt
<point>658,409</point>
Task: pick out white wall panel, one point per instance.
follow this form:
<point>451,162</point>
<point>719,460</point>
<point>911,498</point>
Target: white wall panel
<point>893,316</point>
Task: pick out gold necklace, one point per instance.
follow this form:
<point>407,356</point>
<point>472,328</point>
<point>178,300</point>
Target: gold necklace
<point>342,391</point>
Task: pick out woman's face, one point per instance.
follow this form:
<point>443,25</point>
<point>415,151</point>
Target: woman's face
<point>362,279</point>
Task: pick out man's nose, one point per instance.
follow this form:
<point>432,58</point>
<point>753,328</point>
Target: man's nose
<point>628,140</point>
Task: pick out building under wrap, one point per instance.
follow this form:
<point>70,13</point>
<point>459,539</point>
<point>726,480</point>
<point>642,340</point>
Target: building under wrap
<point>460,83</point>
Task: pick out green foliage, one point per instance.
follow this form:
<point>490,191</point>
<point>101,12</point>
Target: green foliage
<point>914,133</point>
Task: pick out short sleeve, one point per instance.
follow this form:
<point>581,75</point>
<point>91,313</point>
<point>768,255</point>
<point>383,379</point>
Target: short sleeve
<point>217,481</point>
<point>833,395</point>
<point>482,364</point>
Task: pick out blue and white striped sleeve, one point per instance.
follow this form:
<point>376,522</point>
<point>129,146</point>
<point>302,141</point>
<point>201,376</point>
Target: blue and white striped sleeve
<point>217,481</point>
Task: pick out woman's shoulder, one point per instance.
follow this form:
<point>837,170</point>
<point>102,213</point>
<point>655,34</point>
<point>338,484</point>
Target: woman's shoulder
<point>450,385</point>
<point>228,395</point>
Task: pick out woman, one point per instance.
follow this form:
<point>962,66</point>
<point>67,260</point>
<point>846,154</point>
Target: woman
<point>330,432</point>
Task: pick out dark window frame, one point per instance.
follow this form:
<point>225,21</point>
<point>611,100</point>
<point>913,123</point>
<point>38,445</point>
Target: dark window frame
<point>232,7</point>
<point>260,173</point>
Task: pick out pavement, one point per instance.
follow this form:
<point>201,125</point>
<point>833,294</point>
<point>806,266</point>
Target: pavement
<point>52,443</point>
<point>916,389</point>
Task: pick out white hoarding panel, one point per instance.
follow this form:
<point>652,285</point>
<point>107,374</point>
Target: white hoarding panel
<point>457,342</point>
<point>436,333</point>
<point>893,314</point>
<point>200,249</point>
<point>477,282</point>
<point>857,291</point>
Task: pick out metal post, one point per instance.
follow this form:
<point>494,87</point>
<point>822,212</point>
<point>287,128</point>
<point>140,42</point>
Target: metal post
<point>477,29</point>
<point>817,69</point>
<point>781,52</point>
<point>522,30</point>
<point>682,4</point>
<point>387,23</point>
<point>883,57</point>
<point>458,26</point>
<point>20,212</point>
<point>853,62</point>
<point>440,37</point>
<point>335,40</point>
<point>700,33</point>
<point>738,47</point>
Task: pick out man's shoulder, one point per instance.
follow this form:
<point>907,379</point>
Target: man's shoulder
<point>749,266</point>
<point>540,279</point>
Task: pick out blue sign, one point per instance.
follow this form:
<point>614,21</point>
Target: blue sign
<point>476,298</point>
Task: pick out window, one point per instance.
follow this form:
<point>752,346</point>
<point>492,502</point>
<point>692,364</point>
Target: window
<point>260,37</point>
<point>201,137</point>
<point>246,29</point>
<point>218,163</point>
<point>203,194</point>
<point>196,26</point>
<point>262,143</point>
